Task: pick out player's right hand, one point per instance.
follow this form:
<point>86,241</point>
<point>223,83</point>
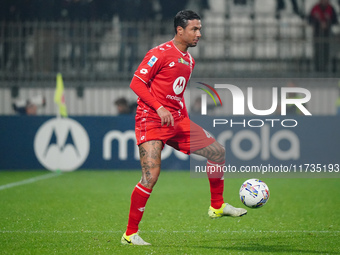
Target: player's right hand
<point>166,116</point>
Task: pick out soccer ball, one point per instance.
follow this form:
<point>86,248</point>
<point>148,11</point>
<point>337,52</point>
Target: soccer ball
<point>254,193</point>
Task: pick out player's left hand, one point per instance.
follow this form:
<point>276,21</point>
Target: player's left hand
<point>166,116</point>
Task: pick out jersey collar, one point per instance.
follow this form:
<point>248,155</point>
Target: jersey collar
<point>183,53</point>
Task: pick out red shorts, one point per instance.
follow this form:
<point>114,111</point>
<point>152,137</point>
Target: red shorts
<point>185,136</point>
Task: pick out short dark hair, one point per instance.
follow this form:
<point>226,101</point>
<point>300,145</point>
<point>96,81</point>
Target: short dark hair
<point>121,101</point>
<point>182,17</point>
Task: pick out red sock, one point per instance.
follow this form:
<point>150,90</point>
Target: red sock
<point>139,197</point>
<point>216,181</point>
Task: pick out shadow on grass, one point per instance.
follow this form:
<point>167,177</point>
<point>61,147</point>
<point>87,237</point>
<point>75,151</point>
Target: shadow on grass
<point>262,248</point>
<point>289,245</point>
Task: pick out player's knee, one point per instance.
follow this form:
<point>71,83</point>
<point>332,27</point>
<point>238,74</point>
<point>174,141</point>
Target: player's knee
<point>149,182</point>
<point>221,153</point>
<point>149,179</point>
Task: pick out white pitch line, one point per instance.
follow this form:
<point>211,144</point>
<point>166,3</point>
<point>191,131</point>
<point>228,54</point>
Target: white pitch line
<point>165,231</point>
<point>30,180</point>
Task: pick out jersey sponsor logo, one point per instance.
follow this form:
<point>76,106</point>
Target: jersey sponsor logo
<point>172,64</point>
<point>174,98</point>
<point>152,61</point>
<point>181,60</point>
<point>143,71</point>
<point>179,85</point>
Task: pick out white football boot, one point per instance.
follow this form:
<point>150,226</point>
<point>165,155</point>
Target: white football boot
<point>226,210</point>
<point>133,239</point>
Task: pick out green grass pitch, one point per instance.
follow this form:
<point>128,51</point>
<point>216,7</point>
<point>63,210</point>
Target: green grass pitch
<point>85,212</point>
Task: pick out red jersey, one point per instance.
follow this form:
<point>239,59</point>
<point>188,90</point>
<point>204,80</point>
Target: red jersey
<point>161,79</point>
<point>325,14</point>
<point>320,14</point>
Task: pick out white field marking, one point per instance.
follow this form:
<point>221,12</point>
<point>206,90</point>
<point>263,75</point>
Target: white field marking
<point>165,231</point>
<point>30,180</point>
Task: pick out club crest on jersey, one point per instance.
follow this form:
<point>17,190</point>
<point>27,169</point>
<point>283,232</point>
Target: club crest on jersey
<point>152,61</point>
<point>181,60</point>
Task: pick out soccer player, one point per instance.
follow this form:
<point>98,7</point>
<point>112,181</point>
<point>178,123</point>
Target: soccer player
<point>162,118</point>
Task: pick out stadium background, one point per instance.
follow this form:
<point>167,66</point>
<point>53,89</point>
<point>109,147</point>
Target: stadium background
<point>245,43</point>
<point>96,45</point>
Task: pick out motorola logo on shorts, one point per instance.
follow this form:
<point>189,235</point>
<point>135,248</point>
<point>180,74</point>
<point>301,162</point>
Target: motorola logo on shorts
<point>61,144</point>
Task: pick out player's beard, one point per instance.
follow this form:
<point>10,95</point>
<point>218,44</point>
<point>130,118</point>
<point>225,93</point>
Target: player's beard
<point>194,44</point>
